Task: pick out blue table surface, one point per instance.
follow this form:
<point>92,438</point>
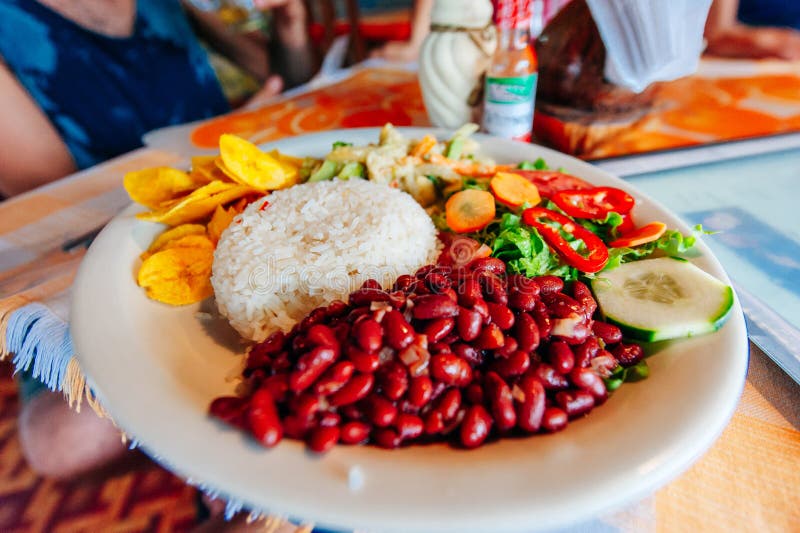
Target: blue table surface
<point>754,204</point>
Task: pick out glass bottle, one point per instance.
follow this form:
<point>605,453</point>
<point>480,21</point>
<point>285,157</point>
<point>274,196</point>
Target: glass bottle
<point>510,88</point>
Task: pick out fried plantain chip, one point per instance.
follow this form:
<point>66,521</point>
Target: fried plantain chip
<point>204,169</point>
<point>247,164</point>
<point>199,204</point>
<point>153,186</point>
<point>175,233</point>
<point>187,241</point>
<point>178,276</point>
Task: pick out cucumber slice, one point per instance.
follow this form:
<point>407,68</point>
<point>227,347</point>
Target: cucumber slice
<point>663,298</point>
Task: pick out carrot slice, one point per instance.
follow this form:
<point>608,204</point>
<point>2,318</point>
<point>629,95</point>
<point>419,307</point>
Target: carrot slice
<point>643,235</point>
<point>513,190</point>
<point>469,210</point>
<point>424,146</point>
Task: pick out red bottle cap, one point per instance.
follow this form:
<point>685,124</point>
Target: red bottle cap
<point>512,13</point>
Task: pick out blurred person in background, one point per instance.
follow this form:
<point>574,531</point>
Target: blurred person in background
<point>82,80</point>
<point>754,29</point>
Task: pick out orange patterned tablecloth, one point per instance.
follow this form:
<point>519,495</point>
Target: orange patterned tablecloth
<point>370,97</point>
<point>724,101</point>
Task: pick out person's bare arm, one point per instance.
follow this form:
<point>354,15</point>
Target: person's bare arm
<point>31,150</point>
<point>244,50</point>
<point>420,26</point>
<point>727,37</point>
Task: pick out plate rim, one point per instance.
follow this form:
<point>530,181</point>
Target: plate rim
<point>192,474</point>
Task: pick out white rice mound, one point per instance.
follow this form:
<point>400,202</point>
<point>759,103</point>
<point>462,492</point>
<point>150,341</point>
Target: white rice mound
<point>312,244</point>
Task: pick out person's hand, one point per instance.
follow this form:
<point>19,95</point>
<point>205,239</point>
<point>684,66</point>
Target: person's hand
<point>271,88</point>
<point>400,51</point>
<point>290,20</point>
<point>755,43</point>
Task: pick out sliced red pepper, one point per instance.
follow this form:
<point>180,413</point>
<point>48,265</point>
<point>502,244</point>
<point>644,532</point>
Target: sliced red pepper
<point>627,225</point>
<point>549,181</point>
<point>594,261</point>
<point>595,203</point>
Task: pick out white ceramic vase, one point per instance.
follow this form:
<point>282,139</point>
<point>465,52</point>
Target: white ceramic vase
<point>453,57</point>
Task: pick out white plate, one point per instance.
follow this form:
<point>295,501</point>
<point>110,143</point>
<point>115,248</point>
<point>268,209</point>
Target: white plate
<point>156,368</point>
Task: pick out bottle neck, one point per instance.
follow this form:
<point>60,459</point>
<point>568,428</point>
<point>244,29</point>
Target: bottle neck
<point>515,38</point>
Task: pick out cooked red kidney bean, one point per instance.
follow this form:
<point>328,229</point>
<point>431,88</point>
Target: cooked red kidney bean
<point>278,386</point>
<point>305,405</point>
<point>482,309</point>
<point>354,433</point>
<point>549,285</point>
<point>434,422</point>
<point>434,306</point>
<point>583,296</point>
<point>309,367</point>
<point>501,315</point>
<point>469,292</point>
<point>501,402</point>
<point>230,409</point>
<point>609,333</point>
<point>263,420</point>
<point>403,282</point>
<point>379,411</point>
<point>575,403</point>
<point>274,343</point>
<point>362,361</point>
<point>367,296</point>
<point>369,335</point>
<point>386,438</point>
<point>354,390</point>
<point>554,419</point>
<point>550,377</point>
<point>562,306</point>
<point>420,390</point>
<point>490,338</point>
<point>494,290</point>
<point>530,408</point>
<point>474,393</point>
<point>335,309</point>
<point>521,301</point>
<point>585,351</point>
<point>542,318</point>
<point>438,329</point>
<point>514,365</point>
<point>399,332</point>
<point>295,427</point>
<point>334,378</point>
<point>469,324</point>
<point>628,354</point>
<point>476,426</point>
<point>527,332</point>
<point>510,345</point>
<point>561,357</point>
<point>323,438</point>
<point>587,379</point>
<point>392,378</point>
<point>322,335</point>
<point>409,426</point>
<point>469,353</point>
<point>448,403</point>
<point>489,264</point>
<point>436,282</point>
<point>450,369</point>
<point>351,412</point>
